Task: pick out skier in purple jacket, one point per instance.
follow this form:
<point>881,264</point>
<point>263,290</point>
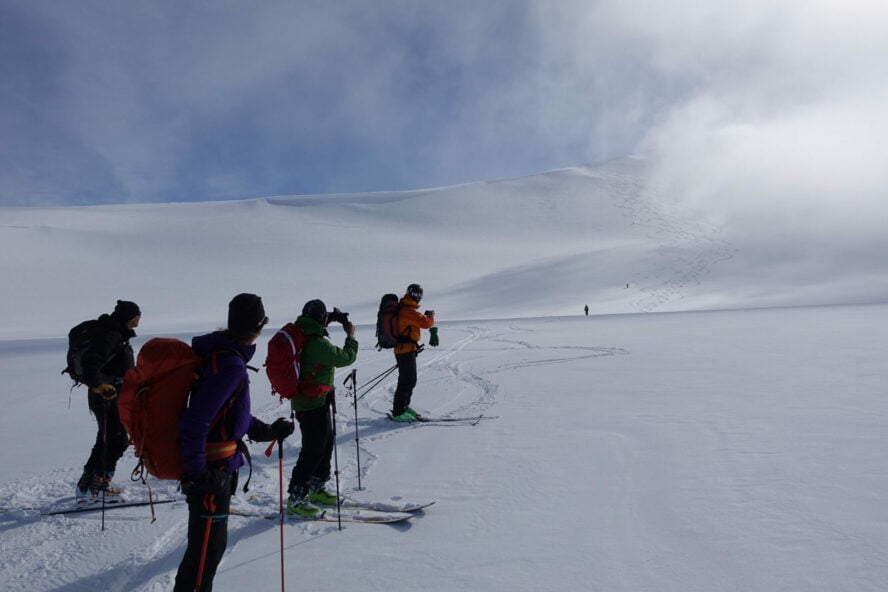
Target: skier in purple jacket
<point>210,432</point>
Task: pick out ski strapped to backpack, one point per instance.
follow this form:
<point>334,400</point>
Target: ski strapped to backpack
<point>283,365</point>
<point>388,333</point>
<point>152,399</point>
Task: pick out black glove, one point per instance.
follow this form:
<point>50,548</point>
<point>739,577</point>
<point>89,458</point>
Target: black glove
<point>433,337</point>
<point>280,429</point>
<point>263,432</point>
<point>214,482</point>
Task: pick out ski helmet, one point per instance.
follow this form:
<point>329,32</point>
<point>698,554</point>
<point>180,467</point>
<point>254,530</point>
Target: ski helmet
<point>415,292</point>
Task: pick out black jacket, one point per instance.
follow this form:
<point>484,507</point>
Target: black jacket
<point>109,355</point>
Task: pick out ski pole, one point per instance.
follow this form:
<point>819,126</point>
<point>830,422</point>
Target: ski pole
<point>280,444</point>
<point>375,381</point>
<point>335,456</point>
<point>104,456</point>
<point>353,378</point>
<point>211,509</point>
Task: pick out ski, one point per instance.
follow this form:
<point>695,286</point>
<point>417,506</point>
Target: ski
<point>386,506</point>
<point>422,419</point>
<point>97,507</point>
<point>356,515</point>
<point>469,420</point>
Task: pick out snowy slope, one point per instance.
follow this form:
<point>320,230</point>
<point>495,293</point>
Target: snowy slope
<point>664,451</point>
<point>583,234</point>
<point>669,452</point>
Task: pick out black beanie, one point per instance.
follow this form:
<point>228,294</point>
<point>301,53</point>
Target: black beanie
<point>315,309</point>
<point>246,314</point>
<point>125,311</point>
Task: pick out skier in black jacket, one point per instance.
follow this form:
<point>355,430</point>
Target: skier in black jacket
<point>105,362</point>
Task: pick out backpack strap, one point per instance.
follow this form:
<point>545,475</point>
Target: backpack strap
<point>296,367</point>
<point>293,348</point>
<point>242,447</point>
<point>403,336</point>
<point>216,452</point>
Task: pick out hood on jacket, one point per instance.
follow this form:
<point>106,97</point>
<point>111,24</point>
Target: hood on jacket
<point>204,345</point>
<point>408,301</point>
<point>310,326</point>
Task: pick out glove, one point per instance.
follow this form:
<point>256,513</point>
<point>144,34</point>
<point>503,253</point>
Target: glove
<point>107,391</point>
<point>433,336</point>
<point>281,428</point>
<point>264,432</point>
<point>214,482</point>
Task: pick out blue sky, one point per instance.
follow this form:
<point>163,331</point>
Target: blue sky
<point>106,101</point>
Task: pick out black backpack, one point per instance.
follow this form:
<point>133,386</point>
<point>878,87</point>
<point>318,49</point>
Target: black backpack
<point>79,340</point>
<point>387,322</point>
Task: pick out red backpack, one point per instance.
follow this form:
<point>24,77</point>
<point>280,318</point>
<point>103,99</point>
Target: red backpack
<point>284,365</point>
<point>152,399</point>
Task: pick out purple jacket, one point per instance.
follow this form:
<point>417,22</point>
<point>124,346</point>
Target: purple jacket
<point>211,394</point>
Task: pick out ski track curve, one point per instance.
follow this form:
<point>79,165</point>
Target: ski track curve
<point>144,557</point>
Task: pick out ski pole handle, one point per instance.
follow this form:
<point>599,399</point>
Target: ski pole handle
<point>351,377</point>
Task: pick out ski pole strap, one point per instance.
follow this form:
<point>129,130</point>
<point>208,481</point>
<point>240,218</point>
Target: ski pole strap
<point>209,503</point>
<point>242,447</point>
<point>140,473</point>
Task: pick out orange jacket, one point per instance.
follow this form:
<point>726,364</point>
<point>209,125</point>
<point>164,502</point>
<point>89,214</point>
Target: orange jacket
<point>410,321</point>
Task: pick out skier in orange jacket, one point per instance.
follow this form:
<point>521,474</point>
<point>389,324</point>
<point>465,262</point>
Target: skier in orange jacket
<point>410,322</point>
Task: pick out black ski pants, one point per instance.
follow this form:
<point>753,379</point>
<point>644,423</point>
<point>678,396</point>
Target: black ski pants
<point>111,439</point>
<point>406,382</point>
<point>203,507</point>
<point>317,445</point>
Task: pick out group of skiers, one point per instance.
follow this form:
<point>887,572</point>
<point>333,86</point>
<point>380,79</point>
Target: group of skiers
<point>218,416</point>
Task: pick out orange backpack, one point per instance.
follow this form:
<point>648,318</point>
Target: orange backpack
<point>153,396</point>
<point>152,399</point>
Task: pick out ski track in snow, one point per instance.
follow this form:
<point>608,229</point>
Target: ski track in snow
<point>690,246</point>
<point>452,381</point>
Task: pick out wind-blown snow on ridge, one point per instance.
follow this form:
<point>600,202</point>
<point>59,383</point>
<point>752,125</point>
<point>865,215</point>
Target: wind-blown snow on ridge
<point>611,236</point>
<point>583,234</point>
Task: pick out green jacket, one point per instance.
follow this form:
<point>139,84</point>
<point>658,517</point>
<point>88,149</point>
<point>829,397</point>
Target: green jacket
<point>319,353</point>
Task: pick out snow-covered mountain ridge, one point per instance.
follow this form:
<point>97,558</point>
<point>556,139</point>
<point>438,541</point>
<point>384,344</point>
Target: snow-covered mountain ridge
<point>602,235</point>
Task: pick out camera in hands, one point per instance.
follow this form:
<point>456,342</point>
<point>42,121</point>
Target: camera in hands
<point>337,316</point>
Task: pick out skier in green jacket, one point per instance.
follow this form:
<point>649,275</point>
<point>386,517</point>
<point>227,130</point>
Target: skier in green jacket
<point>319,360</point>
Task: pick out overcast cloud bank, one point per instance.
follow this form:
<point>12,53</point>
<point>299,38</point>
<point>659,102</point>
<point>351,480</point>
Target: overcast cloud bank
<point>170,101</point>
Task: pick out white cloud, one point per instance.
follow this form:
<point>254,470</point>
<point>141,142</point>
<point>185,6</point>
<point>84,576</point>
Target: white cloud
<point>173,100</point>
